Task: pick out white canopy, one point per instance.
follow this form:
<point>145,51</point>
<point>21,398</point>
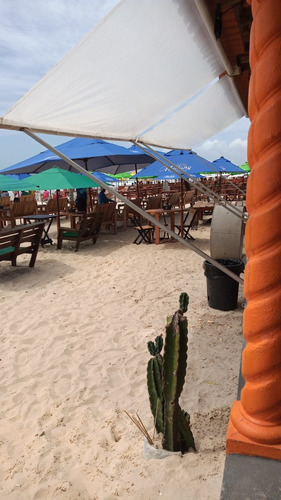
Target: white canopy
<point>149,72</point>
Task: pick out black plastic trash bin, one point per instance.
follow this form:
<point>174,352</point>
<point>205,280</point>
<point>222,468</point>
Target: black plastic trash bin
<point>222,290</point>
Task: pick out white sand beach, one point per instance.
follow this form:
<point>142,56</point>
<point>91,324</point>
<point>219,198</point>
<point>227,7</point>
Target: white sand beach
<point>74,357</point>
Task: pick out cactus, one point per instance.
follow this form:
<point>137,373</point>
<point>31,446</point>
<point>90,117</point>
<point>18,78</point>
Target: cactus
<point>154,382</point>
<point>165,379</point>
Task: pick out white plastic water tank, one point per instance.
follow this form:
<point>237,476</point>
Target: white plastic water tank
<point>226,237</point>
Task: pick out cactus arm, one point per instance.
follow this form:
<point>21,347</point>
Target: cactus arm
<point>154,385</point>
<point>155,347</point>
<point>186,436</point>
<point>184,300</point>
<point>159,344</point>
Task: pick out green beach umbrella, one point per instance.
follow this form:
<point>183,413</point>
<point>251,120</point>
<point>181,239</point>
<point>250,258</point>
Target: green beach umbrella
<point>9,184</point>
<point>58,178</point>
<point>124,175</point>
<point>245,167</point>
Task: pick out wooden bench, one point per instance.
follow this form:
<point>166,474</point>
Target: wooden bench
<point>20,240</point>
<point>89,229</point>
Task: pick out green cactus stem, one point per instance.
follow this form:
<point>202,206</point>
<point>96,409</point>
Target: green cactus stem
<point>184,300</point>
<point>155,347</point>
<point>154,382</point>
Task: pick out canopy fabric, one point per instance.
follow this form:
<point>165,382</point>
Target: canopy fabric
<point>224,165</point>
<point>57,178</point>
<point>187,161</point>
<point>161,83</point>
<point>92,154</point>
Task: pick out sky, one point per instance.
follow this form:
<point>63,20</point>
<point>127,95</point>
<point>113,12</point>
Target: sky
<point>34,36</point>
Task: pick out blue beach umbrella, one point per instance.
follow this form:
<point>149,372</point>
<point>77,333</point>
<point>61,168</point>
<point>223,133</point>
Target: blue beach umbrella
<point>168,175</point>
<point>104,177</point>
<point>91,154</point>
<point>18,176</point>
<point>188,161</point>
<point>224,165</point>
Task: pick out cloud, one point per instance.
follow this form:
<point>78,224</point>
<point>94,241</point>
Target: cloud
<point>231,143</point>
<point>238,143</point>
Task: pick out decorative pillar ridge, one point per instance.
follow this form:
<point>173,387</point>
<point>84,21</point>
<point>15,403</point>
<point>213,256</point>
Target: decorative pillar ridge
<point>255,421</point>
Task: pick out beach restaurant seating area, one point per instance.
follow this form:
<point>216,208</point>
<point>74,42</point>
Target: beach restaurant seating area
<point>163,201</point>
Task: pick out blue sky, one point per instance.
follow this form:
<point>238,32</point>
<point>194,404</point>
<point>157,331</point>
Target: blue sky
<point>34,36</point>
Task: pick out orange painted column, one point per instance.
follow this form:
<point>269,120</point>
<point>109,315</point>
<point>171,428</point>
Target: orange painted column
<point>255,421</point>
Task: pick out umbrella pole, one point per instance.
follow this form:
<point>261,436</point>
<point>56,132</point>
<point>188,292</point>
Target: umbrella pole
<point>138,190</point>
<point>181,213</point>
<point>58,208</point>
<point>220,177</point>
<point>90,191</point>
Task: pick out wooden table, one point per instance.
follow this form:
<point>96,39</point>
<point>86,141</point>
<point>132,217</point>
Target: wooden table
<point>157,212</point>
<point>202,207</point>
<point>42,218</point>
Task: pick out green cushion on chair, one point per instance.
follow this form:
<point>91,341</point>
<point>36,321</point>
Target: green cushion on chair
<point>70,233</point>
<point>7,250</point>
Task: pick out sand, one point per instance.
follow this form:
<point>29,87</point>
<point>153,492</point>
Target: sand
<point>73,359</point>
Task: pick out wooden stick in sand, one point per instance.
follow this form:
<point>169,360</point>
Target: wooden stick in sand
<point>138,422</point>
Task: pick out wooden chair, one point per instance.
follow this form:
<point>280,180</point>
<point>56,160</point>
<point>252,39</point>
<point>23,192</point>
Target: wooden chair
<point>20,240</point>
<point>108,213</point>
<point>174,199</point>
<point>124,212</point>
<point>17,211</point>
<point>189,197</point>
<point>52,206</point>
<point>5,201</point>
<point>153,202</point>
<point>28,197</point>
<point>89,229</point>
<point>145,231</point>
<point>187,224</point>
